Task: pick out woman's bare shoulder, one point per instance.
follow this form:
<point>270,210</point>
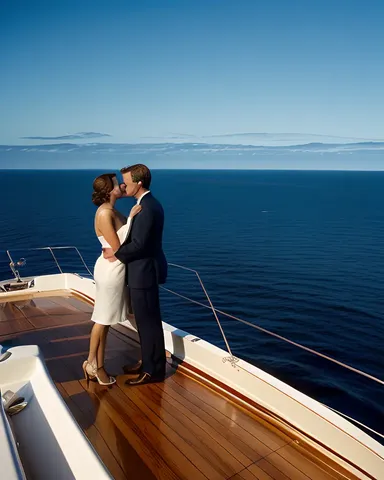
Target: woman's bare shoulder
<point>103,217</point>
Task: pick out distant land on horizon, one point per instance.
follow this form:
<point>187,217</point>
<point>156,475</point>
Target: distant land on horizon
<point>360,155</point>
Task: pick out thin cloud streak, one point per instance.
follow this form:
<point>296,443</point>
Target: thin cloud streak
<point>74,136</point>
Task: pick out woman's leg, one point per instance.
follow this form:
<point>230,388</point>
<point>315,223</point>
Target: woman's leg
<point>94,343</point>
<point>97,350</point>
<point>104,377</point>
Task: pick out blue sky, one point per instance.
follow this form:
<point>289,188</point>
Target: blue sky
<point>191,71</point>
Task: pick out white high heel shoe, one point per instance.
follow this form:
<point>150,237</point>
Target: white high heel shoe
<point>90,373</point>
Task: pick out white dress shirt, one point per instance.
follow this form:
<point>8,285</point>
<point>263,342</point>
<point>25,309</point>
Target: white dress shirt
<point>139,199</point>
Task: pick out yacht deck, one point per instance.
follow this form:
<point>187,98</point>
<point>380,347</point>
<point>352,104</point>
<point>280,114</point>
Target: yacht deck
<point>178,429</point>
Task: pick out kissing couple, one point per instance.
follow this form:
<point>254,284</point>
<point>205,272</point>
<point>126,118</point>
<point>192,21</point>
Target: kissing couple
<point>131,266</point>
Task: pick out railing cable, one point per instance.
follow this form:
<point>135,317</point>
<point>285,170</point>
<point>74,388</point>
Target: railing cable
<point>280,337</point>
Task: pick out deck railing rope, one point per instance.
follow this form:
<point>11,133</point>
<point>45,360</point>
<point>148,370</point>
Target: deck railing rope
<point>214,311</point>
<point>280,337</point>
<point>50,249</point>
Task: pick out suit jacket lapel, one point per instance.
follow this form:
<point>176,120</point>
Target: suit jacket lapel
<point>129,236</point>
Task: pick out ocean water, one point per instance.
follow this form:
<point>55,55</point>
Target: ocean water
<point>298,253</point>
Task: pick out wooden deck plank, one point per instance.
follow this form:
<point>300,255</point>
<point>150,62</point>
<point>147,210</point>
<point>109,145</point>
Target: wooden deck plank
<point>207,445</point>
<point>68,302</point>
<point>311,465</point>
<point>29,309</point>
<point>15,326</point>
<point>272,471</point>
<point>93,435</point>
<point>123,453</point>
<point>243,419</point>
<point>181,438</point>
<point>76,303</point>
<point>245,453</point>
<point>242,439</point>
<point>200,449</point>
<point>52,320</point>
<point>51,307</point>
<point>107,456</point>
<point>35,333</point>
<point>9,311</point>
<point>128,458</point>
<point>288,459</point>
<point>163,458</point>
<point>252,473</point>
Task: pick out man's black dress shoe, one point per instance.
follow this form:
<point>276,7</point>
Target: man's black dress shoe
<point>140,380</point>
<point>133,369</point>
<point>144,378</point>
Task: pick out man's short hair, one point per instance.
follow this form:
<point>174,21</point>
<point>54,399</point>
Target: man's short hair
<point>140,173</point>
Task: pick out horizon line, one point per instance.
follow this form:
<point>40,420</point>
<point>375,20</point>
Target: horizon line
<point>90,144</point>
<point>198,170</point>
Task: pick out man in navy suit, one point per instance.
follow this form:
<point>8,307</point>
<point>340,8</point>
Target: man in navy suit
<point>147,268</point>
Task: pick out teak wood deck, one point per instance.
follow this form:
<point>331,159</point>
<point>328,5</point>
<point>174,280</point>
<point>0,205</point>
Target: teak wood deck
<point>178,429</point>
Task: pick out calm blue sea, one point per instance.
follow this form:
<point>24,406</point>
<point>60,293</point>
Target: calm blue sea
<point>298,253</point>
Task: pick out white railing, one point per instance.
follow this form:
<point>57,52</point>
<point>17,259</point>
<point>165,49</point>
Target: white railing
<point>22,262</point>
<point>216,312</point>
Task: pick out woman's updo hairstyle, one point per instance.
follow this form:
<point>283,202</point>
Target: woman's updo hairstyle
<point>102,187</point>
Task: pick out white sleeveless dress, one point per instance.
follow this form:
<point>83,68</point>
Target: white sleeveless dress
<point>111,300</point>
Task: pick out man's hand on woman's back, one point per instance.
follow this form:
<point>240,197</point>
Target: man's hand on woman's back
<point>109,255</point>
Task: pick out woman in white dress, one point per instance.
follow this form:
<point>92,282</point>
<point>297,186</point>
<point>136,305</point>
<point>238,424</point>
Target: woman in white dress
<point>111,300</point>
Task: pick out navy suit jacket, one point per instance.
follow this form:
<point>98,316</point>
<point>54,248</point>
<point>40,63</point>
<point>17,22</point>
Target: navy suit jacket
<point>142,251</point>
